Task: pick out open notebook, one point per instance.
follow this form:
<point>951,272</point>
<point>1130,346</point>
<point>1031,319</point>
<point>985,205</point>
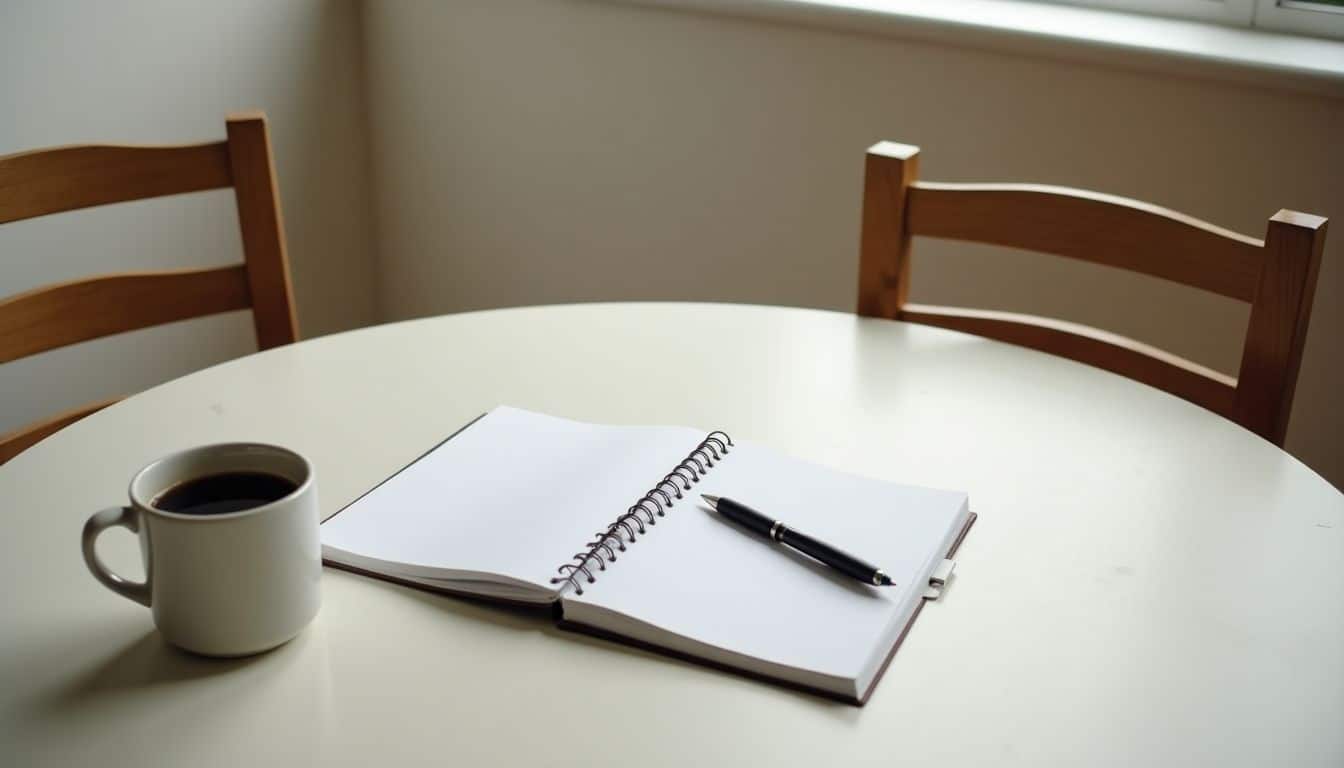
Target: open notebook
<point>528,508</point>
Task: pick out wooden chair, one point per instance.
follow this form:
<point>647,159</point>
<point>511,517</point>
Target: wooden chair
<point>1277,276</point>
<point>67,178</point>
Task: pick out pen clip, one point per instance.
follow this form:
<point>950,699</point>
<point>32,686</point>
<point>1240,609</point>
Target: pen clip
<point>938,579</point>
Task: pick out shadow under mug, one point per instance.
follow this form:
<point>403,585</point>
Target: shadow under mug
<point>229,584</point>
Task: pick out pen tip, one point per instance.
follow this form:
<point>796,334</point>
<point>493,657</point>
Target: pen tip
<point>712,500</point>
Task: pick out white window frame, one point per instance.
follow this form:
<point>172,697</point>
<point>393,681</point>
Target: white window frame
<point>1291,16</point>
<point>1299,18</point>
<point>1238,13</point>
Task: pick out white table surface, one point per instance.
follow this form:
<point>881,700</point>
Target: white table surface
<point>1148,583</point>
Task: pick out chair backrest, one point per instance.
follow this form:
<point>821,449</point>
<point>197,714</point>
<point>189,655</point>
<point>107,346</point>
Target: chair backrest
<point>1277,276</point>
<point>48,181</point>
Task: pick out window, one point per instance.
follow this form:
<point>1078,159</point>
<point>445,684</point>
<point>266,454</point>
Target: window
<point>1306,17</point>
<point>1322,18</point>
<point>1234,12</point>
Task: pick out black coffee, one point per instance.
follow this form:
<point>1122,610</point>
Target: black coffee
<point>223,493</point>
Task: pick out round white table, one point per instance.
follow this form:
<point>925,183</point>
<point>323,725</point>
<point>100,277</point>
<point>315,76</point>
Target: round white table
<point>1148,583</point>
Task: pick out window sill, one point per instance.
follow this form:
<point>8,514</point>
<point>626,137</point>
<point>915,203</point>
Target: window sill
<point>1109,37</point>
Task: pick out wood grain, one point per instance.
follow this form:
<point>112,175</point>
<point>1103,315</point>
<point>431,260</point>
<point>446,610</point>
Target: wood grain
<point>67,178</point>
<point>79,310</point>
<point>1277,276</point>
<point>263,231</point>
<point>1090,226</point>
<point>17,441</point>
<point>1277,331</point>
<point>884,248</point>
<point>1110,351</point>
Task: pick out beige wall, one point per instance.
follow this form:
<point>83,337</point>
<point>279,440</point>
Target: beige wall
<point>75,71</point>
<point>543,151</point>
<point>527,151</point>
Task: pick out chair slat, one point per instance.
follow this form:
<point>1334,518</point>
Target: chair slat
<point>1276,276</point>
<point>1276,334</point>
<point>1104,229</point>
<point>57,315</point>
<point>16,442</point>
<point>263,230</point>
<point>47,181</point>
<point>1113,352</point>
<point>68,178</point>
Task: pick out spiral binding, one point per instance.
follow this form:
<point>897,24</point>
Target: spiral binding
<point>643,514</point>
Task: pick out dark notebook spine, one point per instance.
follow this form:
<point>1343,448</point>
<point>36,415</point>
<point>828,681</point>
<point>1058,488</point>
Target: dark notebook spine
<point>643,514</point>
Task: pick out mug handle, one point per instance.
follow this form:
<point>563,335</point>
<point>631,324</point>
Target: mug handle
<point>126,517</point>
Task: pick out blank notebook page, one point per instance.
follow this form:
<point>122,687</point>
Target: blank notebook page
<point>508,499</point>
<point>703,578</point>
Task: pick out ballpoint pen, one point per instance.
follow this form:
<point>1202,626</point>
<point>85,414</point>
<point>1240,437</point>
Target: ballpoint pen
<point>778,532</point>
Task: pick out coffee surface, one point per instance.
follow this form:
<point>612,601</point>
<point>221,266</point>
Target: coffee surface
<point>223,493</point>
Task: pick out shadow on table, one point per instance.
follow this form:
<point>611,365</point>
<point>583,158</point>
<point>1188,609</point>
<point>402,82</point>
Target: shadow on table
<point>125,684</point>
<point>149,662</point>
<point>144,663</point>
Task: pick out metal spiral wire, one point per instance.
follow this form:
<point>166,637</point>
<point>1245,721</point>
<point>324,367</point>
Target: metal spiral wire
<point>643,514</point>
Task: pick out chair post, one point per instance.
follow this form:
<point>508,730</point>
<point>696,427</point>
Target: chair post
<point>884,242</point>
<point>262,227</point>
<point>1277,332</point>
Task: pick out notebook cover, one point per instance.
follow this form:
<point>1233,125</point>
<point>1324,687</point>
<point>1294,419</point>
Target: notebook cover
<point>460,593</point>
<point>586,629</point>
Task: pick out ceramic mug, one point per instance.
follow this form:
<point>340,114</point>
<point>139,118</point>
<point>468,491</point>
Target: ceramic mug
<point>228,584</point>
